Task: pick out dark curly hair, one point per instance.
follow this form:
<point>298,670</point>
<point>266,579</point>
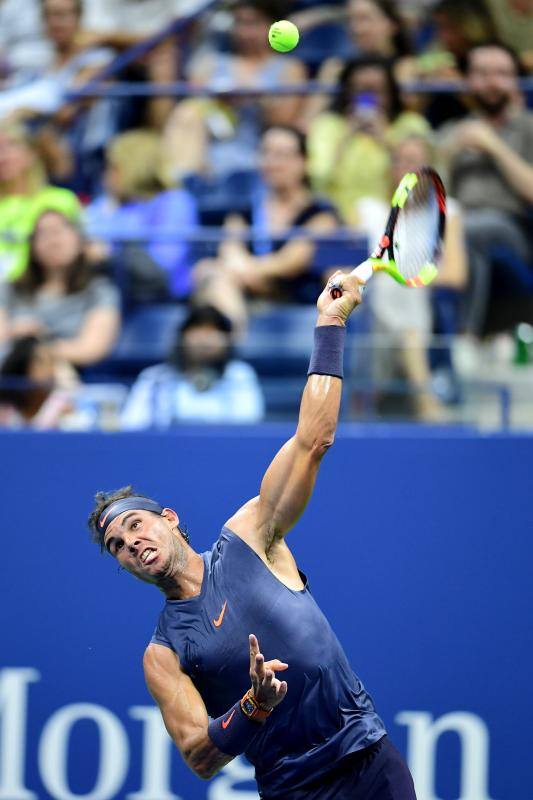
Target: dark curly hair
<point>103,500</point>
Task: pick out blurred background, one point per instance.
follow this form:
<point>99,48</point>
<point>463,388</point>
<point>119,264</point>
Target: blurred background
<point>173,197</point>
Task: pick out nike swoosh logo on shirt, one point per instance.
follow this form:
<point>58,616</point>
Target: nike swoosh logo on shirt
<point>218,622</point>
<point>226,722</point>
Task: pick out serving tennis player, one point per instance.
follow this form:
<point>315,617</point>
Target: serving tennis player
<point>242,659</point>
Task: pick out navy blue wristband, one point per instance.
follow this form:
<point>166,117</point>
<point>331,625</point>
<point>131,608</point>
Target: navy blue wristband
<point>233,731</point>
<point>328,351</point>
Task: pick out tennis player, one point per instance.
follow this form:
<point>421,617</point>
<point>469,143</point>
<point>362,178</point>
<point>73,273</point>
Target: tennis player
<point>242,659</point>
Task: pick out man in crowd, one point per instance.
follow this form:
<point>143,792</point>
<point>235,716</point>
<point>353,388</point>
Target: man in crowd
<point>490,171</point>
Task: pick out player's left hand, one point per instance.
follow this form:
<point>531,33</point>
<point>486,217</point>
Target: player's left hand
<point>268,690</point>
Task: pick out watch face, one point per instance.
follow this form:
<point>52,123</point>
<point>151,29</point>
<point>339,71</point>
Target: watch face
<point>248,707</point>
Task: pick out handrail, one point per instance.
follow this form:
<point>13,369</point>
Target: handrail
<point>210,233</point>
<point>184,89</point>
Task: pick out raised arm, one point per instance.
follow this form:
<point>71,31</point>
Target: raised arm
<point>207,746</point>
<point>288,482</point>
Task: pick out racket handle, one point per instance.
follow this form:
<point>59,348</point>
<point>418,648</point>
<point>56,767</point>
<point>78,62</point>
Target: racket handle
<point>364,272</point>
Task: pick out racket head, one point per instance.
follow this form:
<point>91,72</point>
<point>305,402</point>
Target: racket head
<point>415,229</point>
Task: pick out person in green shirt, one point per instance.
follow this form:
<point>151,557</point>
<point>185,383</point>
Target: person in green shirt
<point>348,145</point>
<point>24,195</point>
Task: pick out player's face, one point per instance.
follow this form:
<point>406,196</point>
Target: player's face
<point>492,78</point>
<point>147,545</point>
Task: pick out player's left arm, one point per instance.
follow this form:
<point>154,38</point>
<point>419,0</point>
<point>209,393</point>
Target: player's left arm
<point>289,480</point>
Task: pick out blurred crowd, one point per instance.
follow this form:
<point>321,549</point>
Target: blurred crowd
<point>214,198</point>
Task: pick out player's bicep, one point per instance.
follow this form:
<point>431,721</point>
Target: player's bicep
<point>180,703</point>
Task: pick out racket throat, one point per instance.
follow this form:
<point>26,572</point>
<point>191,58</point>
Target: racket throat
<point>365,270</point>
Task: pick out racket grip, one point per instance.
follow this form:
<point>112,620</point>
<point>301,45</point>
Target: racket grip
<point>364,271</point>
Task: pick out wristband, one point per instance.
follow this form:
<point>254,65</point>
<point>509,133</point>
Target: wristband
<point>328,351</point>
<point>234,731</point>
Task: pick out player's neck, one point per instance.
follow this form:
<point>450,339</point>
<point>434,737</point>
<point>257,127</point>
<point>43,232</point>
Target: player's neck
<point>185,581</point>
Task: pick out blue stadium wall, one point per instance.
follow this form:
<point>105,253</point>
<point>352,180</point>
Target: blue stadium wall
<point>418,548</point>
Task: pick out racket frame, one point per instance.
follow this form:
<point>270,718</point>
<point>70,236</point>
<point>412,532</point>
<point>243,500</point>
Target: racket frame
<point>376,263</point>
<point>386,243</point>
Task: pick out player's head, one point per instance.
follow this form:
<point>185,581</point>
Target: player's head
<point>492,72</point>
<point>145,538</point>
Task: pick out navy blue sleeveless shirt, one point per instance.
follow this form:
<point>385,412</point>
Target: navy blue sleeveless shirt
<point>326,713</point>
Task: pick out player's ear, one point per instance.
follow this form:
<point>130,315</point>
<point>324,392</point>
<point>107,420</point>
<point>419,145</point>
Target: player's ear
<point>171,515</point>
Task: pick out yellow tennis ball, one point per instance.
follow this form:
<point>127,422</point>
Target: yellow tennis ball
<point>283,36</point>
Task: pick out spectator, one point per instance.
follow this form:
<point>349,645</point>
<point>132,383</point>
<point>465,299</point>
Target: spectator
<point>73,135</point>
<point>349,157</point>
<point>458,26</point>
<point>276,265</point>
<point>36,389</point>
<point>139,18</point>
<point>376,28</point>
<point>513,20</point>
<point>222,137</point>
<point>60,297</point>
<point>70,63</point>
<point>24,51</point>
<point>136,203</point>
<point>24,195</point>
<point>489,160</point>
<point>200,382</point>
<point>403,318</point>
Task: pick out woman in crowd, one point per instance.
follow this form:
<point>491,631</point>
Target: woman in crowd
<point>222,137</point>
<point>24,195</point>
<point>136,203</point>
<point>275,264</point>
<point>404,318</point>
<point>376,28</point>
<point>60,297</point>
<point>37,390</point>
<point>348,145</point>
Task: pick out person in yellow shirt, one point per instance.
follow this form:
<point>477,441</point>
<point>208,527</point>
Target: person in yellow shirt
<point>24,195</point>
<point>349,144</point>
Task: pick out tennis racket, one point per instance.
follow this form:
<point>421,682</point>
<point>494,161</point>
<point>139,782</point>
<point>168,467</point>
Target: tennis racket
<point>411,245</point>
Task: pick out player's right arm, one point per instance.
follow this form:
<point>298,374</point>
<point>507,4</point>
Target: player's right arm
<point>183,710</point>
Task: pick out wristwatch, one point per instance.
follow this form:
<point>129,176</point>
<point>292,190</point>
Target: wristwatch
<point>252,709</point>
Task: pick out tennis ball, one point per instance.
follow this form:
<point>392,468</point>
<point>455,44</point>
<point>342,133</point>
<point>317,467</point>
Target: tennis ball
<point>283,36</point>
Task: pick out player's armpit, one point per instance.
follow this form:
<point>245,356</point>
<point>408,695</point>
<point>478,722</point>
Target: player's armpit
<point>183,711</point>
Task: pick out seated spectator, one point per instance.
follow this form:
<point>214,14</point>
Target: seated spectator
<point>513,20</point>
<point>220,137</point>
<point>403,318</point>
<point>70,64</point>
<point>36,389</point>
<point>376,28</point>
<point>60,297</point>
<point>458,26</point>
<point>348,152</point>
<point>71,134</point>
<point>136,204</point>
<point>136,18</point>
<point>201,382</point>
<point>275,265</point>
<point>24,195</point>
<point>489,160</point>
<point>24,51</point>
